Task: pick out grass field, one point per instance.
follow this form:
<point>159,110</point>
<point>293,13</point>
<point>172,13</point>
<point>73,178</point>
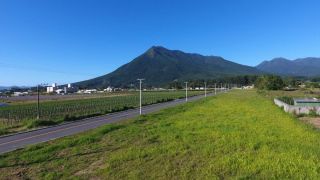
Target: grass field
<point>240,134</point>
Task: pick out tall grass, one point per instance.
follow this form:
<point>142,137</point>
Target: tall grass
<point>239,135</point>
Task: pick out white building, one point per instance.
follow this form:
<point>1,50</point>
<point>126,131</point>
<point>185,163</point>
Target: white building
<point>90,91</point>
<point>53,88</point>
<point>109,89</point>
<point>50,89</point>
<point>248,87</point>
<point>60,91</point>
<point>20,93</point>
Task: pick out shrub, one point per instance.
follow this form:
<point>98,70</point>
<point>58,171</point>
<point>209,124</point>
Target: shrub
<point>269,82</point>
<point>286,99</point>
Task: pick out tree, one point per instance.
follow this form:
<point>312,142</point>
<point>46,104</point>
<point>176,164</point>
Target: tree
<point>269,82</point>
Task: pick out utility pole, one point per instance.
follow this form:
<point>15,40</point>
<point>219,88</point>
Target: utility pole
<point>186,91</point>
<point>38,99</point>
<point>140,81</point>
<point>38,104</point>
<point>215,88</point>
<point>205,89</point>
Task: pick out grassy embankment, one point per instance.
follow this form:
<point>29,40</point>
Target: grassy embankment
<point>239,134</point>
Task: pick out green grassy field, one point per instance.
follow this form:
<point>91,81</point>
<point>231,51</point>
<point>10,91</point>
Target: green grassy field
<point>240,134</point>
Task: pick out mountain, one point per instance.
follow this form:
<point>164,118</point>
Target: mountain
<point>3,87</point>
<point>13,87</point>
<point>160,66</point>
<point>307,67</point>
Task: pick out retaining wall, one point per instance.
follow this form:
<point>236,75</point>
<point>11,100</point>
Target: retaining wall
<point>296,109</point>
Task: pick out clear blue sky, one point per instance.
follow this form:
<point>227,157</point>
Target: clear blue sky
<point>45,41</point>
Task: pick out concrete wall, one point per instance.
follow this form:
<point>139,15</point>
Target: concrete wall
<point>296,109</point>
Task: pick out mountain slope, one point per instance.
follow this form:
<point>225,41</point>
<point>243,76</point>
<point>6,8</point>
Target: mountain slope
<point>300,67</point>
<point>160,66</point>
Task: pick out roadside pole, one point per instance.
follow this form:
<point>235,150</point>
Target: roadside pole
<point>38,104</point>
<point>186,91</point>
<point>215,88</point>
<point>205,89</point>
<point>140,81</point>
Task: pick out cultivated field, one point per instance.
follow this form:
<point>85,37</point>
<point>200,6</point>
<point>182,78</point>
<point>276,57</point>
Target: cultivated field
<point>240,134</point>
<point>21,116</point>
<point>43,98</point>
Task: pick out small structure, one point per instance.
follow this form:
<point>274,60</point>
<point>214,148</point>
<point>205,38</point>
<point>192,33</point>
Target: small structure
<point>109,89</point>
<point>301,106</point>
<point>20,93</point>
<point>248,87</point>
<point>60,91</point>
<point>53,88</point>
<point>70,89</point>
<point>90,91</point>
<point>306,102</point>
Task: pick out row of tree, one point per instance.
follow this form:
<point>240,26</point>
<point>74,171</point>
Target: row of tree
<point>263,82</point>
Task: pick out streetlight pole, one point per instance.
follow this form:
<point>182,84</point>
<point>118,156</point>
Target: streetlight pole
<point>205,89</point>
<point>186,91</point>
<point>140,81</point>
<point>38,99</point>
<point>38,104</point>
<point>215,88</point>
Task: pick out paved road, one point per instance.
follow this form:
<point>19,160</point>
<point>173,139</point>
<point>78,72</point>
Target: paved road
<point>17,141</point>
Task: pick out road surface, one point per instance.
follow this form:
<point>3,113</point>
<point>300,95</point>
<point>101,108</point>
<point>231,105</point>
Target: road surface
<point>21,140</point>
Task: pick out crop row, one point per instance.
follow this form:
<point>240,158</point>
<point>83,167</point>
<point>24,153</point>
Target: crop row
<point>75,109</point>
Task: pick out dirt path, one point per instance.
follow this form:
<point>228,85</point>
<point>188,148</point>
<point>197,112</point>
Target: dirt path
<point>311,120</point>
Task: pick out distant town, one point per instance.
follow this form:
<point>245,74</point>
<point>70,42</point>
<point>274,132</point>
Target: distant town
<point>55,89</point>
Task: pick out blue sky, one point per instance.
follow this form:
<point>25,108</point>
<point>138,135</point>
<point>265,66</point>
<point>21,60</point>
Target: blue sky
<point>45,41</point>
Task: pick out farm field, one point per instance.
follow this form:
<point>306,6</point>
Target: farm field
<point>45,97</point>
<point>240,134</point>
<point>19,117</point>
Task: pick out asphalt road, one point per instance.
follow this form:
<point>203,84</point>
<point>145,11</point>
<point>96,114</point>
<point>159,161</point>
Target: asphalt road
<point>21,140</point>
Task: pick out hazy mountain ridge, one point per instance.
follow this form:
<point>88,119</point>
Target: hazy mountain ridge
<point>307,67</point>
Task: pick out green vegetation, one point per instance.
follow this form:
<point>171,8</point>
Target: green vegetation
<point>286,99</point>
<point>23,116</point>
<point>240,134</point>
<point>269,82</point>
<point>312,85</point>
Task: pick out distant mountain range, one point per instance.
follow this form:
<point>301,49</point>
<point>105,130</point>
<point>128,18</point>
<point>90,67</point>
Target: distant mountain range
<point>160,66</point>
<point>13,87</point>
<point>306,67</point>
